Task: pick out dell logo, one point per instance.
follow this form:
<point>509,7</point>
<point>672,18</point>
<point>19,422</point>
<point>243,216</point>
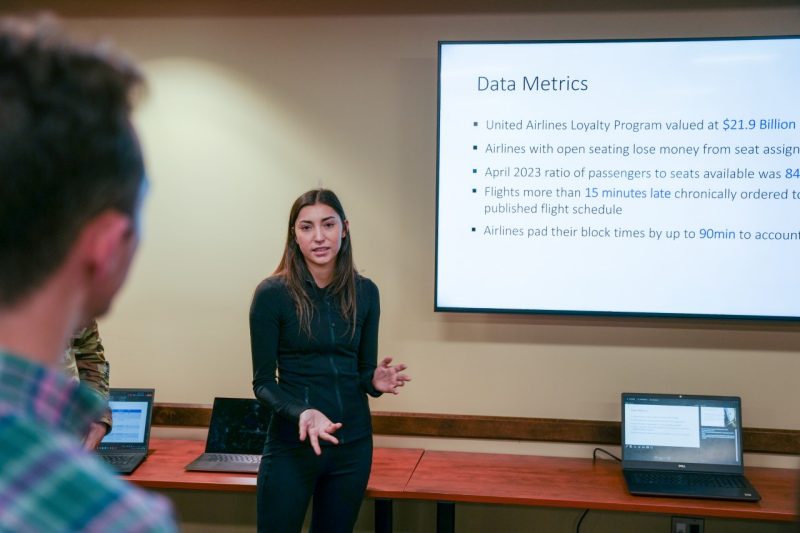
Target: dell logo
<point>681,466</point>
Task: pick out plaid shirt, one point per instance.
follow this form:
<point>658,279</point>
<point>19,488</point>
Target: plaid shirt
<point>47,481</point>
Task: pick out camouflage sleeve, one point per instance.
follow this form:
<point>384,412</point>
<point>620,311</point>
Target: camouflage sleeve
<point>93,370</point>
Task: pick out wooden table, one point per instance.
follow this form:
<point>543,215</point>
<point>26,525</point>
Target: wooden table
<point>449,477</point>
<point>164,469</point>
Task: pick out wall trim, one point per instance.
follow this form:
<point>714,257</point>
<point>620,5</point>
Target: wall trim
<point>756,440</point>
<point>275,8</point>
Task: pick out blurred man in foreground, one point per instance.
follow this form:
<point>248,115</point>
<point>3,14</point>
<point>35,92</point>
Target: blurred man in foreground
<point>71,186</point>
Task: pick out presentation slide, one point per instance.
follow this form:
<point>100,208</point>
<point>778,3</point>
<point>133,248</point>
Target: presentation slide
<point>662,425</point>
<point>657,177</point>
<point>130,422</point>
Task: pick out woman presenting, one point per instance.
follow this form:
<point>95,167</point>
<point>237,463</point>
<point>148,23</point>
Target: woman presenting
<point>314,340</point>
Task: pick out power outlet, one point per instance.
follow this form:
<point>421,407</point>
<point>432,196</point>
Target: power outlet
<point>683,524</point>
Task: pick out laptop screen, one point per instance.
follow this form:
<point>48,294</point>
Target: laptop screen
<point>238,425</point>
<point>682,432</point>
<point>131,412</point>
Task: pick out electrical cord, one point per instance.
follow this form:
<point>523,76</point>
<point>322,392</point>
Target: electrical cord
<point>594,458</point>
<point>583,515</point>
<point>594,454</point>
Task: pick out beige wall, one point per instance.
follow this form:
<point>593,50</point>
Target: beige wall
<point>243,115</point>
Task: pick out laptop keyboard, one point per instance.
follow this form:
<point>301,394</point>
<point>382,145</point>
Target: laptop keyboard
<point>693,479</point>
<point>232,458</point>
<point>119,460</point>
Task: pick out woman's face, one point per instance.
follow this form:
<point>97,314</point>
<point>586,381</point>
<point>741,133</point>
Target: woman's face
<point>318,232</point>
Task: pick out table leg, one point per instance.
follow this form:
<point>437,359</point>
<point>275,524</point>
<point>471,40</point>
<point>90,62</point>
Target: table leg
<point>445,517</point>
<point>383,516</point>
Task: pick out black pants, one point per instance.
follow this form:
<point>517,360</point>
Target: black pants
<point>290,474</point>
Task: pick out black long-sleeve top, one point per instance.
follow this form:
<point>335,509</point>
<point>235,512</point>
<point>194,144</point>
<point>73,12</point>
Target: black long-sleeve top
<point>331,370</point>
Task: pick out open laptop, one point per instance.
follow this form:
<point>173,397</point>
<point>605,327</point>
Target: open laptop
<point>683,445</point>
<point>236,436</point>
<point>125,447</point>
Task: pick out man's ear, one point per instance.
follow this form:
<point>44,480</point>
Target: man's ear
<point>104,241</point>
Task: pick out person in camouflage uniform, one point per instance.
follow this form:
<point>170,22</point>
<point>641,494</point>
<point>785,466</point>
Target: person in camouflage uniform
<point>85,361</point>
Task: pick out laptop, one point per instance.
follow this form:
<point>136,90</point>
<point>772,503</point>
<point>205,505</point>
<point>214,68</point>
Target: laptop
<point>683,445</point>
<point>125,447</point>
<point>236,436</point>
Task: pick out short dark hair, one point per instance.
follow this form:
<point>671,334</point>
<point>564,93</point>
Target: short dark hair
<point>68,150</point>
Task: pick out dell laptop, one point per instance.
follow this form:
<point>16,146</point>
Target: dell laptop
<point>236,436</point>
<point>685,446</point>
<point>125,447</point>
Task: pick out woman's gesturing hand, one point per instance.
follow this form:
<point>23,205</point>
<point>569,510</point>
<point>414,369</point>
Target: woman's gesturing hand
<point>388,378</point>
<point>316,426</point>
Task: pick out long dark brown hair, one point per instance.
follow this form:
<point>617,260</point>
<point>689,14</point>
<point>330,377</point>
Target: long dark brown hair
<point>294,271</point>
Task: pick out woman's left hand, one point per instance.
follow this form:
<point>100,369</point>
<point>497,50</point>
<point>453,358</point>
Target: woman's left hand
<point>388,378</point>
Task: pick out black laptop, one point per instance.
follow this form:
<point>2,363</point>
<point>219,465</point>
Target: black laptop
<point>685,446</point>
<point>236,436</point>
<point>125,447</point>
